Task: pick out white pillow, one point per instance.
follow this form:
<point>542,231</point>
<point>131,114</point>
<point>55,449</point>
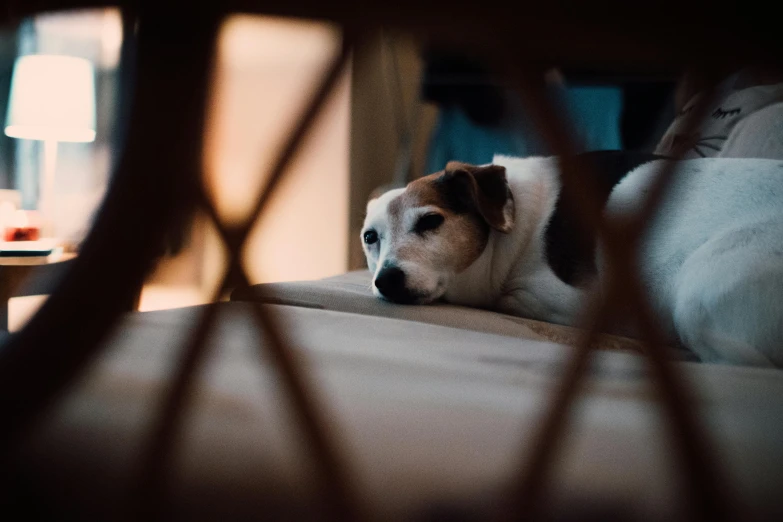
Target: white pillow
<point>744,123</point>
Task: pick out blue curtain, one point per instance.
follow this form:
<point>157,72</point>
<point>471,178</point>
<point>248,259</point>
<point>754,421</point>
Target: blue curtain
<point>595,114</point>
<point>8,52</point>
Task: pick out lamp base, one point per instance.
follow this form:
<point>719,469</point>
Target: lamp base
<point>46,188</point>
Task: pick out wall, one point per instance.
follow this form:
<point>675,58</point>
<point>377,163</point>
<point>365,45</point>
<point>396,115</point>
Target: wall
<point>267,69</point>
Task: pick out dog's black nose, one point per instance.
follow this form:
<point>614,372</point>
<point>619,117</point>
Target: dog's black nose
<point>391,283</point>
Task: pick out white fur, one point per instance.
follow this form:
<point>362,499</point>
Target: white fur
<point>376,210</point>
<point>428,278</point>
<point>511,275</point>
<point>712,260</point>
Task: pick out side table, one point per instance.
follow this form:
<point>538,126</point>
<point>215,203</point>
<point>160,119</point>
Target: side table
<point>23,276</point>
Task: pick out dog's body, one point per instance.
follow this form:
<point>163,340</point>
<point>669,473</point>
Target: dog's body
<point>512,274</point>
<point>483,236</point>
<point>713,258</point>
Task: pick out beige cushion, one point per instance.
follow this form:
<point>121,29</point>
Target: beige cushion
<point>351,293</point>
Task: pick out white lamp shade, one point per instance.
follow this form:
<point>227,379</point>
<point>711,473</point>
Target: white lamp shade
<point>52,98</point>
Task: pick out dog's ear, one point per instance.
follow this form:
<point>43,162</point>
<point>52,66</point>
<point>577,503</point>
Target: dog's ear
<point>484,189</point>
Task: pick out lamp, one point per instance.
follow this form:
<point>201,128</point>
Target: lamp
<point>52,99</point>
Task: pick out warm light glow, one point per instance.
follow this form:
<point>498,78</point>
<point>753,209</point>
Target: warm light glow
<point>7,210</point>
<point>20,219</point>
<point>52,98</point>
<point>267,69</point>
<point>111,38</point>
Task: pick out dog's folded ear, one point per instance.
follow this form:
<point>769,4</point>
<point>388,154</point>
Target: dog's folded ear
<point>480,188</point>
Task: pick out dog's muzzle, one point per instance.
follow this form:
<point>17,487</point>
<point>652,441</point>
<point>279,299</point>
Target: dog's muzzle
<point>390,282</point>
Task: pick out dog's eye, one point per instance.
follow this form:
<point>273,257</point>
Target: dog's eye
<point>428,222</point>
<point>370,237</point>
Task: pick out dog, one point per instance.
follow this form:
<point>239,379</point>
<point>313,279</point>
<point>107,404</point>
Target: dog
<point>495,236</point>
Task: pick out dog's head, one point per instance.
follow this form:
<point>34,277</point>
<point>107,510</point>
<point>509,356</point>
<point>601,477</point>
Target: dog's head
<point>418,238</point>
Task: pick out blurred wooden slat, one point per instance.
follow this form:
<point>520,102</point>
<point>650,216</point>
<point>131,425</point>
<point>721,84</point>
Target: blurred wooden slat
<point>153,187</point>
<point>640,39</point>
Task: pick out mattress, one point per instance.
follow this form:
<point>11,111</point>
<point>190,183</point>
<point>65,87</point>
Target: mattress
<point>427,417</point>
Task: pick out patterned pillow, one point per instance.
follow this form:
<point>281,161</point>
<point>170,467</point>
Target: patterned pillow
<point>741,123</point>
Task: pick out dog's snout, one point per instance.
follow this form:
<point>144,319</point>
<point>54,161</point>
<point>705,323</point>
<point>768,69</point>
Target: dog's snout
<point>390,281</point>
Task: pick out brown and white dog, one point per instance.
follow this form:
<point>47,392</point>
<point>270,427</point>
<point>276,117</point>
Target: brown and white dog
<point>494,236</point>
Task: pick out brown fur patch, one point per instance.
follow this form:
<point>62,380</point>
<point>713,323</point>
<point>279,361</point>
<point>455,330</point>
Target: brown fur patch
<point>468,231</point>
<point>473,236</point>
<point>418,193</point>
<point>488,191</point>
